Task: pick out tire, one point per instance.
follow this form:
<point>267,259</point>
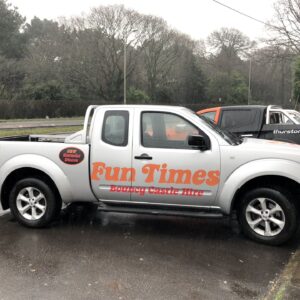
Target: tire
<point>268,215</point>
<point>33,203</point>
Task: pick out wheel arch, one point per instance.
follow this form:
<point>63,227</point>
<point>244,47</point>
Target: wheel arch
<point>257,173</point>
<point>22,173</point>
<point>267,181</point>
<point>33,166</point>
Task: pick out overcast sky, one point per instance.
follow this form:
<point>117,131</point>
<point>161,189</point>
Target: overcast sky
<point>197,18</point>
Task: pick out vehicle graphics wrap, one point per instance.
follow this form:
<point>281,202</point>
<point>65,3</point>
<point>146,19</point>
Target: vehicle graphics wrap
<point>71,156</point>
<point>166,176</point>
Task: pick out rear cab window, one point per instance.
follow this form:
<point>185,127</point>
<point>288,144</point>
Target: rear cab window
<point>239,120</point>
<point>115,128</point>
<point>279,118</point>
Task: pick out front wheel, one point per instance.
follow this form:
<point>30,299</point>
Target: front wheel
<point>268,215</point>
<point>33,203</point>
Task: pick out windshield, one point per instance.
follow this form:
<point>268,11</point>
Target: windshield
<point>229,137</point>
<point>294,115</point>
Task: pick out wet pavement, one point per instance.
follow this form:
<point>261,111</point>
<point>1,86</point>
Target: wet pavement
<point>88,254</point>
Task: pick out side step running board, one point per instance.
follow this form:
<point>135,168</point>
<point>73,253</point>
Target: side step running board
<point>199,214</point>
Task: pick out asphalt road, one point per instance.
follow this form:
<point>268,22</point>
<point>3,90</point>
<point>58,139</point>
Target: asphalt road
<point>88,254</point>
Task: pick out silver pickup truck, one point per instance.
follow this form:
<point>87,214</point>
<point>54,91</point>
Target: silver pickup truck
<point>154,159</point>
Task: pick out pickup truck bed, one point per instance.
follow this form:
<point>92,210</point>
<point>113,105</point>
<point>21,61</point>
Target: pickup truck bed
<point>36,138</point>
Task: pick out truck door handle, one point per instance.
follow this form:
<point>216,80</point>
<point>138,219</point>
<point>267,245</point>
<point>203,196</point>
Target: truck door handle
<point>143,156</point>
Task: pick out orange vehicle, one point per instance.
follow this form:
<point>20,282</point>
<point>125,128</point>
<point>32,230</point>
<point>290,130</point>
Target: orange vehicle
<point>211,113</point>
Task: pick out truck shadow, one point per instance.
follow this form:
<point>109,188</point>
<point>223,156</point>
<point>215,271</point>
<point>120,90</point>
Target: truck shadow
<point>88,216</point>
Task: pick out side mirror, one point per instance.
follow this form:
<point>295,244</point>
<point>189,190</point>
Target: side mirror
<point>199,142</point>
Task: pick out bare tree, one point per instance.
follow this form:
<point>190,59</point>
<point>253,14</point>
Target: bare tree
<point>287,27</point>
<point>230,40</point>
<point>118,30</point>
<point>272,74</point>
<point>99,45</point>
<point>160,51</point>
<point>228,47</point>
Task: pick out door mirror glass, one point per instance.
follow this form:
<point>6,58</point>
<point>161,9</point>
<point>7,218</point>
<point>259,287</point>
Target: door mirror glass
<point>199,142</point>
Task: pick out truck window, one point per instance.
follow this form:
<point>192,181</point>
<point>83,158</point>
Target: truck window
<point>238,119</point>
<point>295,115</point>
<point>165,130</point>
<point>210,115</point>
<point>277,117</point>
<point>115,128</point>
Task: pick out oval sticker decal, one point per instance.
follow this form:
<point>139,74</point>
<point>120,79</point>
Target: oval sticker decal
<point>71,156</point>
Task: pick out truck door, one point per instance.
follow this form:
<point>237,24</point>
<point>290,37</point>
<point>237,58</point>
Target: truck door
<point>168,170</point>
<point>111,148</point>
<point>280,127</point>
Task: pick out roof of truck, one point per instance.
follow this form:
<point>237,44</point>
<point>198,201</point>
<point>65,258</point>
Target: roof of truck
<point>246,106</point>
<point>253,106</point>
<point>142,106</point>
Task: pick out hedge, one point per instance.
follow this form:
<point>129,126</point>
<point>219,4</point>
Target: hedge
<point>21,109</point>
<point>25,109</point>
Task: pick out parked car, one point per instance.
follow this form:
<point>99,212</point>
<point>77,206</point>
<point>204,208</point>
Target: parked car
<point>264,122</point>
<point>154,159</point>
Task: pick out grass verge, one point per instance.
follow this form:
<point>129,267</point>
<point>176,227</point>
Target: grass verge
<point>50,130</point>
<point>44,119</point>
<point>287,281</point>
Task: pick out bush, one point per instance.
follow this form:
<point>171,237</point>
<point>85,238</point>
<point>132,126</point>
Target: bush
<point>21,109</point>
<point>136,96</point>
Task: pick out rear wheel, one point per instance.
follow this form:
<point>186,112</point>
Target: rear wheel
<point>33,203</point>
<point>268,215</point>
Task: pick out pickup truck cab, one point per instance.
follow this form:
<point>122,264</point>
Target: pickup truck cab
<point>154,159</point>
<point>264,122</point>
